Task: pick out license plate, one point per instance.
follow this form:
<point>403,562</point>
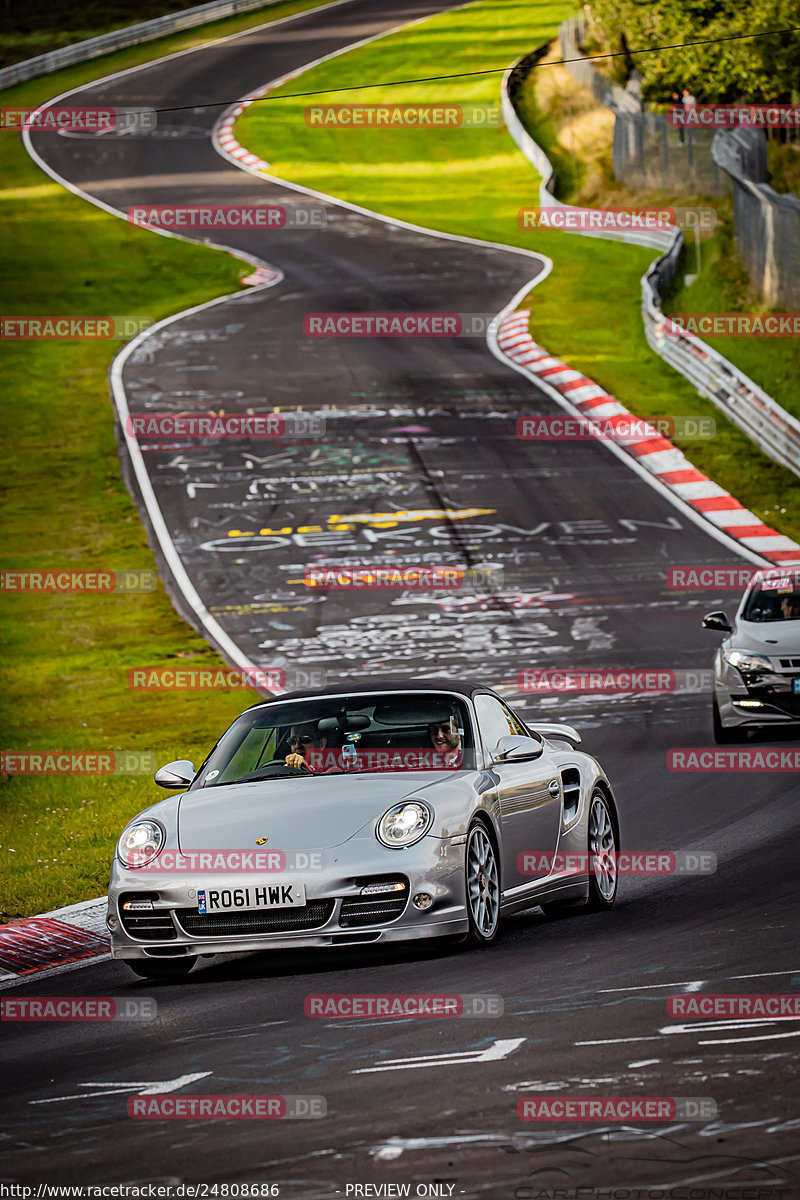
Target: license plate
<point>240,899</point>
<point>796,686</point>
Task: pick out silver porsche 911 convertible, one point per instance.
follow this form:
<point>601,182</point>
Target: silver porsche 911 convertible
<point>358,814</point>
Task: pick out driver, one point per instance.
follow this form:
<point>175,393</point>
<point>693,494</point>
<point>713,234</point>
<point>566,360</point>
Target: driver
<point>304,740</point>
<point>444,737</point>
<point>790,606</point>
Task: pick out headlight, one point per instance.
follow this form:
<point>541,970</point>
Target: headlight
<point>404,824</point>
<point>140,843</point>
<point>747,662</point>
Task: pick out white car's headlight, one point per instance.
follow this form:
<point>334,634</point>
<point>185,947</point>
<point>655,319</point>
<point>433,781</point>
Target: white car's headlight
<point>743,661</point>
<point>140,843</point>
<point>404,824</point>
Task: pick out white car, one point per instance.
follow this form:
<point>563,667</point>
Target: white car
<point>757,667</point>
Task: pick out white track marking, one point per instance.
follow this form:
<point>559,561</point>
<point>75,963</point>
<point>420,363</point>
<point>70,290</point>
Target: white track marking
<point>761,1037</point>
<point>158,1087</point>
<point>691,986</point>
<point>498,1050</point>
<point>617,1041</point>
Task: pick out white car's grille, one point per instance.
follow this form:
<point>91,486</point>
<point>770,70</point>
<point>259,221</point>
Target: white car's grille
<point>255,921</point>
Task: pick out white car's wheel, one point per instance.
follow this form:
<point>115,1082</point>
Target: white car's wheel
<point>604,851</point>
<point>482,886</point>
<point>603,846</point>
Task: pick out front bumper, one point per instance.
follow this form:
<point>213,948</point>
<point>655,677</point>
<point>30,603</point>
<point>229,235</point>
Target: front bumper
<point>756,700</point>
<point>336,913</point>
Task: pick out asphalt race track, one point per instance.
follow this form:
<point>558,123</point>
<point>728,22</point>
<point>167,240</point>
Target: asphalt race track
<point>415,427</point>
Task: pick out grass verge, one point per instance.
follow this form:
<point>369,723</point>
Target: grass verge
<point>43,25</point>
<point>473,181</point>
<point>65,506</point>
<point>576,134</point>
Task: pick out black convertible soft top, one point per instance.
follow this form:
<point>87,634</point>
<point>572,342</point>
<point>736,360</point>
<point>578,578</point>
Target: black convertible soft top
<point>351,686</point>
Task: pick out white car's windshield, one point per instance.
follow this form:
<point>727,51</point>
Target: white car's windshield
<point>408,731</point>
<point>772,602</point>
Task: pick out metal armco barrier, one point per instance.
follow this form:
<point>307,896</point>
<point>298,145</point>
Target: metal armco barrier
<point>131,35</point>
<point>746,404</point>
<point>766,222</point>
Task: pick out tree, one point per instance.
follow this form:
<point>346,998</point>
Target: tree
<point>753,69</point>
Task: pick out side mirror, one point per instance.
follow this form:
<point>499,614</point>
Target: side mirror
<point>176,774</point>
<point>515,748</point>
<point>717,621</point>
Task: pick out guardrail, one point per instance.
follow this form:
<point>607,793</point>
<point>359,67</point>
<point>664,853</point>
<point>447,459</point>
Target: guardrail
<point>628,99</point>
<point>659,239</point>
<point>119,39</point>
<point>747,405</point>
<point>773,430</point>
<point>766,223</point>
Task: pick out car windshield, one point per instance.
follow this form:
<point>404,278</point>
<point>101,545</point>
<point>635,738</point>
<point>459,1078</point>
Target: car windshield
<point>406,731</point>
<point>773,600</point>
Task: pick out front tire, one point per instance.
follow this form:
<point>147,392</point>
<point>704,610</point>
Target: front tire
<point>169,969</point>
<point>482,887</point>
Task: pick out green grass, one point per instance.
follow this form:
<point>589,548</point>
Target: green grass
<point>473,182</point>
<point>65,505</point>
<point>783,165</point>
<point>30,93</point>
<point>565,116</point>
<point>39,26</point>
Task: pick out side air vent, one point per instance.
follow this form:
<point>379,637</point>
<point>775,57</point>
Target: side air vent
<point>571,785</point>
